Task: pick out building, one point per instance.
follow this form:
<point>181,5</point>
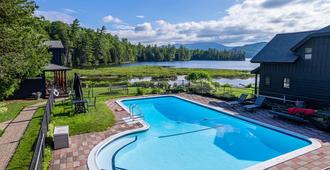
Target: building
<point>295,66</point>
<point>57,49</point>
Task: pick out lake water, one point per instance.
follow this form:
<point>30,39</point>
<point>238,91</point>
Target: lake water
<point>181,80</point>
<point>229,65</point>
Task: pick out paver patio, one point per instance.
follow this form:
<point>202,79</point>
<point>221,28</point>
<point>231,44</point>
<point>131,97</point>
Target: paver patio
<point>13,133</point>
<point>76,156</point>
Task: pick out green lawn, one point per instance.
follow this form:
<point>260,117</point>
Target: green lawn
<point>95,120</point>
<point>14,108</point>
<point>24,151</point>
<point>235,91</point>
<point>155,71</point>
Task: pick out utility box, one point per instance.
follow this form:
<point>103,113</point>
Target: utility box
<point>61,137</point>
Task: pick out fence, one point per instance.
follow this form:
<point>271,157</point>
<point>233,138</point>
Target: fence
<point>37,159</point>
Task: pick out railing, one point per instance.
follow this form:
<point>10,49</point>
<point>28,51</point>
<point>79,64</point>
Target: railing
<point>38,155</point>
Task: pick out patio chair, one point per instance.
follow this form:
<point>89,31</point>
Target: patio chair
<point>91,102</point>
<point>241,100</point>
<point>257,104</point>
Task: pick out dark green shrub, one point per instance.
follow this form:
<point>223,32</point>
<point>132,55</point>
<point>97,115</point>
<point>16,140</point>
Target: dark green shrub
<point>140,92</point>
<point>194,76</point>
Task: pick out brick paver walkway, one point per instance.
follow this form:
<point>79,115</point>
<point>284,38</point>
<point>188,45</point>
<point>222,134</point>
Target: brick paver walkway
<point>76,156</point>
<point>13,133</point>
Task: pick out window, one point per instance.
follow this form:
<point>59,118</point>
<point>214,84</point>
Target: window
<point>267,81</point>
<point>286,83</point>
<point>308,53</point>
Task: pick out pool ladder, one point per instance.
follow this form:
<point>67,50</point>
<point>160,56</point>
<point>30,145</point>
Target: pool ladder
<point>136,107</point>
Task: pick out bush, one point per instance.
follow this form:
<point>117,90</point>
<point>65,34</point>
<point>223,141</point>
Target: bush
<point>3,108</point>
<point>226,96</point>
<point>156,91</point>
<point>202,87</point>
<point>249,85</point>
<point>163,85</point>
<point>140,92</point>
<point>178,89</point>
<point>194,76</point>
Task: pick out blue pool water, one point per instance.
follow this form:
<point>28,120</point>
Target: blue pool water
<point>187,136</point>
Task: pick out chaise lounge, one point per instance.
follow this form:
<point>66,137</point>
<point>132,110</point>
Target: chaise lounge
<point>241,100</point>
<point>257,104</point>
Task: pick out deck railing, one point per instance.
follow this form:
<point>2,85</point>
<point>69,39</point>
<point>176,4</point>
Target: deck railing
<point>38,155</point>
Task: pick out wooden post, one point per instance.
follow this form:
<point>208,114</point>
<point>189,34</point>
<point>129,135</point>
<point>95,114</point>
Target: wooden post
<point>65,83</point>
<point>255,85</point>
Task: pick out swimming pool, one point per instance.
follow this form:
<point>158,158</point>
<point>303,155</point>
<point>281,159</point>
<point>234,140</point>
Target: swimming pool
<point>188,135</point>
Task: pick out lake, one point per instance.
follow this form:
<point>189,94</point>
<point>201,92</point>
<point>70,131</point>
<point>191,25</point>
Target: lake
<point>229,65</point>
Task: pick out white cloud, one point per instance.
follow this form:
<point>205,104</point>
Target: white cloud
<point>246,22</point>
<point>55,16</point>
<point>140,16</point>
<point>111,19</point>
<point>143,27</point>
<point>70,10</point>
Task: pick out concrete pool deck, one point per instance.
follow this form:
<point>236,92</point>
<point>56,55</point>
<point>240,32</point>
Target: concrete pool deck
<point>76,156</point>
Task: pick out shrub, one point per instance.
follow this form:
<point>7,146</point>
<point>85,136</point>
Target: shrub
<point>202,87</point>
<point>3,108</point>
<point>140,92</point>
<point>163,85</point>
<point>226,96</point>
<point>179,89</point>
<point>194,76</point>
<point>249,85</point>
<point>156,91</point>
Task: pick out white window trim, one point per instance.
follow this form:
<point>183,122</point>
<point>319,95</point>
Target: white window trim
<point>308,53</point>
<point>286,82</point>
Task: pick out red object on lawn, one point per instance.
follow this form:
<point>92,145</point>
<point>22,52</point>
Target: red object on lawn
<point>306,112</point>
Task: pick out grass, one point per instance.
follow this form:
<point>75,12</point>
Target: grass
<point>95,120</point>
<point>156,71</point>
<point>24,151</point>
<point>235,91</point>
<point>14,108</point>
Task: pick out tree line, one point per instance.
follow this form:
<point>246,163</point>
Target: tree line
<point>23,53</point>
<point>88,47</point>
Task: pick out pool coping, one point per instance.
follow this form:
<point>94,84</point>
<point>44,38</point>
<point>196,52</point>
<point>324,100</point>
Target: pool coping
<point>314,143</point>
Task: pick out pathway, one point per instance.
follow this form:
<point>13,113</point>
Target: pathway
<point>13,133</point>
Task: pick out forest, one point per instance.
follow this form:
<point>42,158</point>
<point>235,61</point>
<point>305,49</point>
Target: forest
<point>88,47</point>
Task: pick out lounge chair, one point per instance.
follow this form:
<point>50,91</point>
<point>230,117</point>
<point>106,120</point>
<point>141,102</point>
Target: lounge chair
<point>288,116</point>
<point>241,100</point>
<point>258,103</point>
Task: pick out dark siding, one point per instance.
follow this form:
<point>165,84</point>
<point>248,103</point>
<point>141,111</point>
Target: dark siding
<point>29,86</point>
<point>309,79</point>
<point>57,56</point>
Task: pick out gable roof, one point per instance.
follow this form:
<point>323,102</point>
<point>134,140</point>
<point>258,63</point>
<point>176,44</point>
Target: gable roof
<point>322,32</point>
<point>54,44</point>
<point>281,48</point>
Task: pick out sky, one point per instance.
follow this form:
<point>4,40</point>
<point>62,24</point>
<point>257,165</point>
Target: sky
<point>229,22</point>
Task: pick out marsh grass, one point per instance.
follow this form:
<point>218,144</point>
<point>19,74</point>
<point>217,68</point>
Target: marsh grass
<point>156,71</point>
